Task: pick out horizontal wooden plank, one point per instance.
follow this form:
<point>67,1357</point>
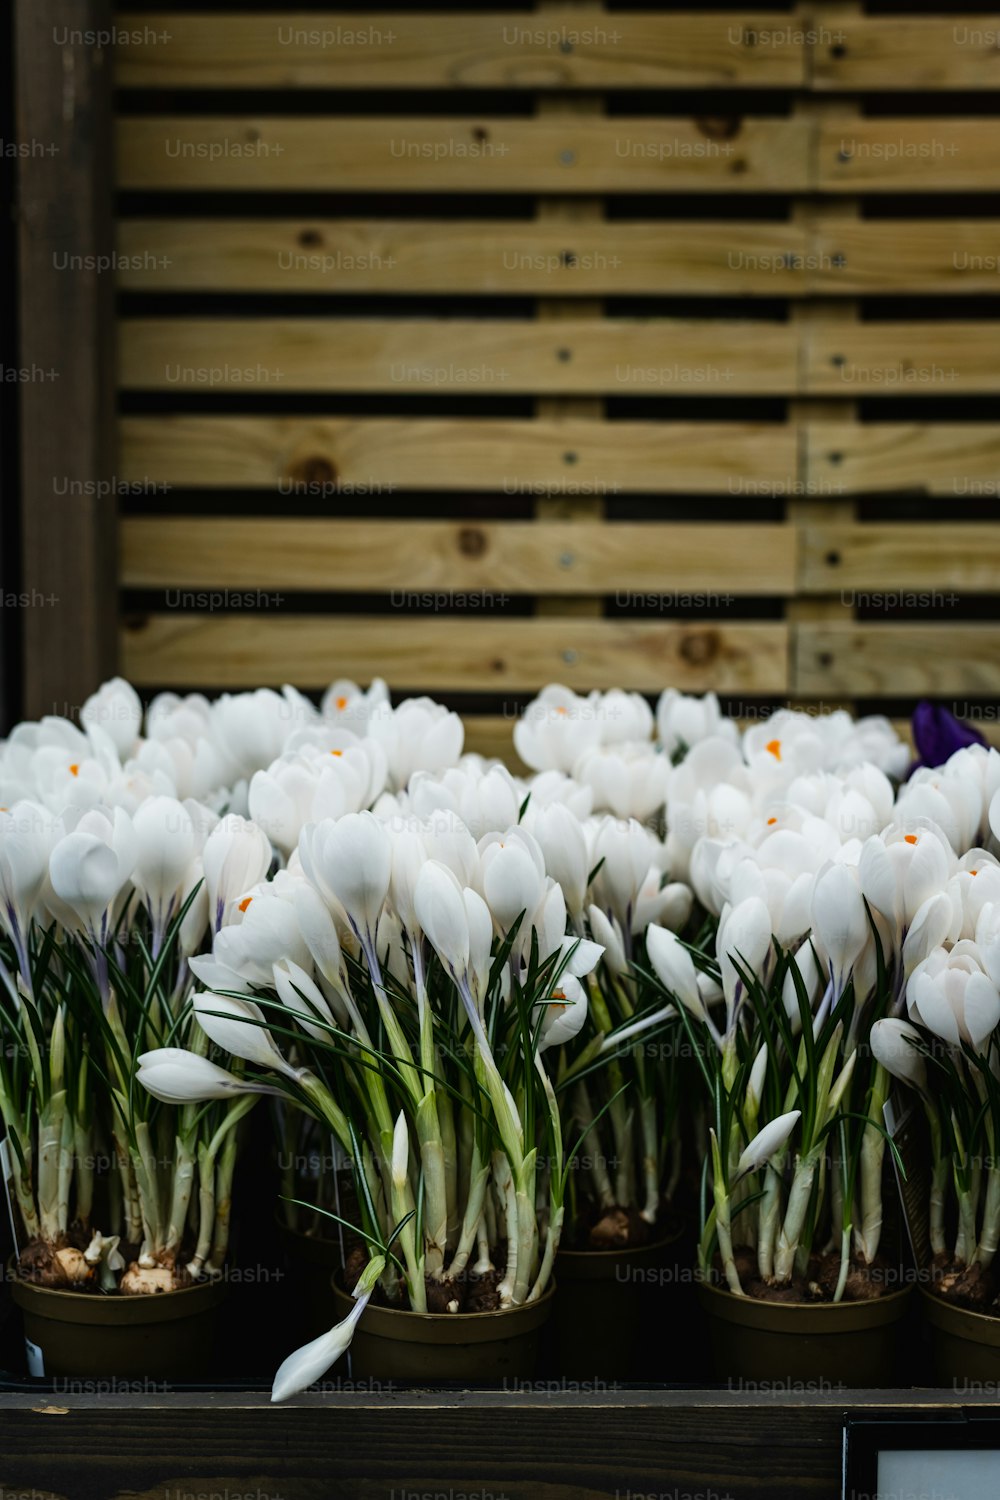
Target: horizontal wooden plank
<point>654,356</point>
<point>905,556</point>
<point>907,52</point>
<point>452,655</point>
<point>838,257</point>
<point>412,154</point>
<point>562,49</point>
<point>311,455</point>
<point>959,459</point>
<point>938,257</point>
<point>908,156</point>
<point>343,255</point>
<point>876,660</point>
<point>891,359</point>
<point>635,562</point>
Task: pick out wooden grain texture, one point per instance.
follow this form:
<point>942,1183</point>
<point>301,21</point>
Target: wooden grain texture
<point>352,255</point>
<point>307,455</point>
<point>934,658</point>
<point>957,459</point>
<point>560,50</point>
<point>908,52</point>
<point>525,1445</point>
<point>413,154</point>
<point>942,155</point>
<point>453,654</point>
<point>946,257</point>
<point>66,405</point>
<point>615,356</point>
<point>739,259</point>
<point>906,555</point>
<point>446,556</point>
<point>903,359</point>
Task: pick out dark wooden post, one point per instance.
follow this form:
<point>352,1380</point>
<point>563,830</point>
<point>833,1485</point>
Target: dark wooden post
<point>65,305</point>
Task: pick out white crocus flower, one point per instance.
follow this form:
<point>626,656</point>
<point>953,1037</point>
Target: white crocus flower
<point>901,868</point>
<point>350,861</point>
<point>306,1365</point>
<point>237,1026</point>
<point>668,905</point>
<point>90,867</point>
<point>683,722</point>
<point>766,1143</point>
<point>268,932</point>
<point>839,921</point>
<point>166,845</point>
<point>896,1045</point>
<point>953,802</point>
<point>625,718</point>
<point>561,839</point>
<point>281,799</point>
<point>556,728</point>
<point>551,787</point>
<point>744,938</point>
<point>607,932</point>
<point>116,709</point>
<point>563,1014</point>
<point>952,995</point>
<point>674,967</point>
<point>623,852</point>
<point>27,832</point>
<point>419,735</point>
<point>513,875</point>
<point>176,1076</point>
<point>347,704</point>
<point>629,781</point>
<point>236,858</point>
<point>441,911</point>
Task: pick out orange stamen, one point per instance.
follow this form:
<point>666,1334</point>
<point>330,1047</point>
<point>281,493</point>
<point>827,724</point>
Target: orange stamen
<point>245,902</point>
<point>771,822</point>
<point>74,769</point>
<point>774,748</point>
<point>341,701</point>
<point>910,838</point>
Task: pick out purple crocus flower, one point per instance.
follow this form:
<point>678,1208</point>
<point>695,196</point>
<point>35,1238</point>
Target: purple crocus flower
<point>937,734</point>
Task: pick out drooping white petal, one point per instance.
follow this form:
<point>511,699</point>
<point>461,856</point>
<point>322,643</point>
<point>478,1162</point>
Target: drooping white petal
<point>298,1372</point>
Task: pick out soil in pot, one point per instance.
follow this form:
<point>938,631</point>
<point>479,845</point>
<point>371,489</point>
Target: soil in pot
<point>167,1336</point>
<point>479,1347</point>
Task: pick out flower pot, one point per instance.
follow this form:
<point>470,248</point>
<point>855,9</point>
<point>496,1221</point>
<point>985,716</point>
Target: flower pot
<point>822,1344</point>
<point>614,1310</point>
<point>410,1347</point>
<point>312,1262</point>
<point>167,1337</point>
<point>966,1344</point>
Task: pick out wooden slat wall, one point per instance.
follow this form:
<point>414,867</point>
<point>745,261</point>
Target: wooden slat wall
<point>362,352</point>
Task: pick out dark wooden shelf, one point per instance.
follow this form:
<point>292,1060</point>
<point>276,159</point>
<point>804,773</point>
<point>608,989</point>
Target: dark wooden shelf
<point>621,1443</point>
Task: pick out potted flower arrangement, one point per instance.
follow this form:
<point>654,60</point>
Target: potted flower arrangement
<point>808,952</point>
<point>942,1044</point>
<point>411,977</point>
<point>120,1198</point>
<point>622,1072</point>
